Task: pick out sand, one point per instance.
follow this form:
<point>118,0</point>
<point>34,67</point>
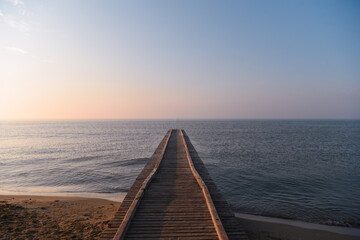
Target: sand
<point>40,217</point>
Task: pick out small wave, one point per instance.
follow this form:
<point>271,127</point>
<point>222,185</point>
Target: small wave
<point>113,190</point>
<point>129,162</point>
<point>341,223</point>
<point>83,159</point>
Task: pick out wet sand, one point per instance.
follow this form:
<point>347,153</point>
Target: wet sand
<point>51,217</point>
<point>267,228</point>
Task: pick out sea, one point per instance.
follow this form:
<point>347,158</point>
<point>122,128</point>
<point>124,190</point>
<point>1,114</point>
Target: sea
<point>308,170</point>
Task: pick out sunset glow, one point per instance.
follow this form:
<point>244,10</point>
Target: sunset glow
<point>184,59</point>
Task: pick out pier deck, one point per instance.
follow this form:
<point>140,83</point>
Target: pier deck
<point>174,198</point>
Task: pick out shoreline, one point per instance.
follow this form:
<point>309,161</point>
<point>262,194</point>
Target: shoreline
<point>38,216</point>
<point>115,197</point>
<point>261,227</point>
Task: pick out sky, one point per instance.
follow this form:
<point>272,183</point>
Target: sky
<point>155,59</point>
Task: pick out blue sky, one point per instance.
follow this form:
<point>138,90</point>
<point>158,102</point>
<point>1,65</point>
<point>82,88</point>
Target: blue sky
<point>179,59</point>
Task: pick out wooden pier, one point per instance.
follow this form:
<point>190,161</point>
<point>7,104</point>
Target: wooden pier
<point>174,198</point>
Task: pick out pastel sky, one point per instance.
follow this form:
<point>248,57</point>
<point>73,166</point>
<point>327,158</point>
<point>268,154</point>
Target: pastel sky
<point>132,59</point>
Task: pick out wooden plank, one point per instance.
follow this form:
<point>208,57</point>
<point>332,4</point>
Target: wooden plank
<point>214,215</point>
<point>131,211</point>
<point>178,199</point>
<point>175,183</point>
<point>156,157</point>
<point>220,203</point>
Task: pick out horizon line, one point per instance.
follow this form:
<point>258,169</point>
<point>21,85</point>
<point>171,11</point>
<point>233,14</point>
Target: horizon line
<point>162,119</point>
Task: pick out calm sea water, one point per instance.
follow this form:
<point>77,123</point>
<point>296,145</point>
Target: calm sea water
<point>305,170</point>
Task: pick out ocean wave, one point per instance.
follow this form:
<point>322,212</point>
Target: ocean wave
<point>307,170</point>
<point>113,190</point>
<point>128,162</point>
<point>83,159</point>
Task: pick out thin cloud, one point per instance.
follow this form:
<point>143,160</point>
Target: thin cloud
<point>19,50</point>
<point>26,13</point>
<point>15,22</point>
<point>22,51</point>
<point>18,24</point>
<point>16,2</point>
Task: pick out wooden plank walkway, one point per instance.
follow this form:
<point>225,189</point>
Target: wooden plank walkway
<point>171,200</point>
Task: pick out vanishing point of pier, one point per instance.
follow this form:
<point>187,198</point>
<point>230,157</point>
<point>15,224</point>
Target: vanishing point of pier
<point>174,198</point>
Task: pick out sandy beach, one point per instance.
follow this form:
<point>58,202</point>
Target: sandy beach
<point>51,217</point>
<point>40,217</point>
